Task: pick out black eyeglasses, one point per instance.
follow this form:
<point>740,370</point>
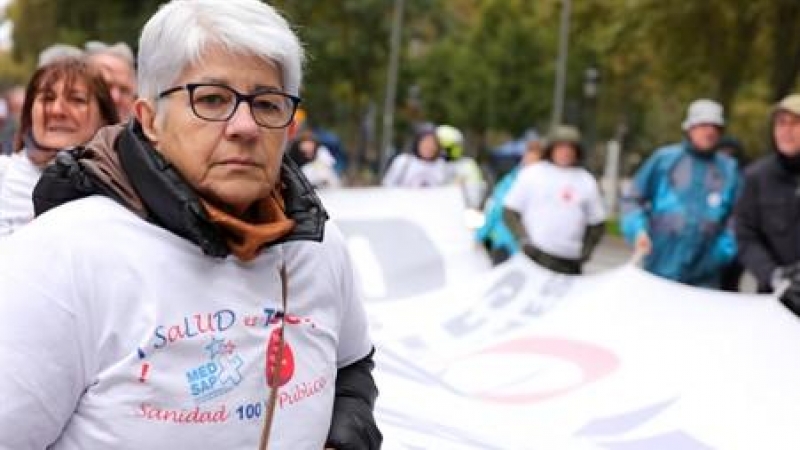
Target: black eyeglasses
<point>218,103</point>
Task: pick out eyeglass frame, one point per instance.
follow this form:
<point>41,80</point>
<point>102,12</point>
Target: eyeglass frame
<point>248,98</point>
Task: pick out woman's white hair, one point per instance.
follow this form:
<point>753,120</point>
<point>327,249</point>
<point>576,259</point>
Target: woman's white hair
<point>179,33</point>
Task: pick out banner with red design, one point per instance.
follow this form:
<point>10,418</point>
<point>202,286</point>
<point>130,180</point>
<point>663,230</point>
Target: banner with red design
<point>516,357</point>
<point>522,358</point>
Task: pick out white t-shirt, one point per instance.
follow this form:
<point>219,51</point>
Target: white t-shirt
<point>556,204</point>
<point>408,170</point>
<point>19,177</point>
<point>115,333</point>
<point>466,173</point>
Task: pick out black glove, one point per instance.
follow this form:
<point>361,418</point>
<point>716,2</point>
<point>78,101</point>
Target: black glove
<point>353,424</point>
<point>790,274</point>
<point>791,299</point>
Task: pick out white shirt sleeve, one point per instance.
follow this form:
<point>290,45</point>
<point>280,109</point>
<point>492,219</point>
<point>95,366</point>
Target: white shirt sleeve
<point>394,175</point>
<point>41,359</point>
<point>354,339</point>
<point>5,160</point>
<point>517,196</point>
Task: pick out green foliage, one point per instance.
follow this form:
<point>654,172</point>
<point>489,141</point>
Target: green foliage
<point>490,75</point>
<point>488,66</point>
<point>40,23</point>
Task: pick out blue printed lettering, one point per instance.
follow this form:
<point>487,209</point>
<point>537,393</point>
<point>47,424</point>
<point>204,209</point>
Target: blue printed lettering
<point>161,340</point>
<point>225,319</point>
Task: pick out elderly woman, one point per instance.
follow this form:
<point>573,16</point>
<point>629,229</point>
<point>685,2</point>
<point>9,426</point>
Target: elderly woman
<point>66,102</point>
<point>192,293</point>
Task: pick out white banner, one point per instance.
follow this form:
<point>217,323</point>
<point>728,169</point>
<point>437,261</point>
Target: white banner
<point>519,358</point>
<point>406,242</point>
<point>527,359</point>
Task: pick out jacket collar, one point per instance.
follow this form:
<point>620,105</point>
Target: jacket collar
<point>123,165</point>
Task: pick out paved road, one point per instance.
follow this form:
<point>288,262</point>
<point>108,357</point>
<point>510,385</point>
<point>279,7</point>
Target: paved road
<point>612,252</point>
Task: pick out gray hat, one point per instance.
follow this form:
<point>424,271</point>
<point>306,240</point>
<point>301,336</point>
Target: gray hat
<point>564,134</point>
<point>704,112</point>
<point>790,103</point>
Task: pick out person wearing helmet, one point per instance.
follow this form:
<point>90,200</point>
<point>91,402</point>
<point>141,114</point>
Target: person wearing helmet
<point>678,209</point>
<point>554,208</point>
<point>768,210</point>
<point>423,167</point>
<point>461,169</point>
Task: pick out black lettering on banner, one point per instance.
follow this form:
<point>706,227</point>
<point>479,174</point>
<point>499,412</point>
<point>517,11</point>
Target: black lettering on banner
<point>552,289</point>
<point>501,293</point>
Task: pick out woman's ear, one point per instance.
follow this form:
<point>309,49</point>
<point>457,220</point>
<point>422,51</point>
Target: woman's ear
<point>146,115</point>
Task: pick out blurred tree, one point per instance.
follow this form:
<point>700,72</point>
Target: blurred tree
<point>784,27</point>
<point>40,23</point>
<point>486,70</point>
<point>668,53</point>
<point>347,44</point>
<point>11,71</point>
<point>487,66</point>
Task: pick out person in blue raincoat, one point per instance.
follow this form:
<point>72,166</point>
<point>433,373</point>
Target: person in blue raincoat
<point>494,234</point>
<point>678,209</point>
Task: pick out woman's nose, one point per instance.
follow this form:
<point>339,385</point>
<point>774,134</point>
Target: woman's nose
<point>56,106</point>
<point>242,123</point>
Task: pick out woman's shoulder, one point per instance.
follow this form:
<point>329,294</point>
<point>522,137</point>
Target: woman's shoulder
<point>88,219</point>
<point>5,160</point>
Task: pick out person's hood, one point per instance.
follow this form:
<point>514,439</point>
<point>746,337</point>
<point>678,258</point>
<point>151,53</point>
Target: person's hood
<point>120,163</point>
<point>789,104</point>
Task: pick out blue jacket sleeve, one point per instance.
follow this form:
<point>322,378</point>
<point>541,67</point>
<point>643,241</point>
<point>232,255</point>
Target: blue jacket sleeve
<point>725,247</point>
<point>634,202</point>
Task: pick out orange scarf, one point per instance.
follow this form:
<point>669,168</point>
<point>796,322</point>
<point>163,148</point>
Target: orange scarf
<point>245,239</point>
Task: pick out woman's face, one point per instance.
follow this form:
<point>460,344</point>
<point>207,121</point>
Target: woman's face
<point>64,116</point>
<point>564,154</point>
<point>428,147</point>
<point>235,162</point>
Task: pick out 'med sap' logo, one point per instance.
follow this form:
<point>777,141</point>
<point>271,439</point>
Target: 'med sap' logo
<point>218,375</point>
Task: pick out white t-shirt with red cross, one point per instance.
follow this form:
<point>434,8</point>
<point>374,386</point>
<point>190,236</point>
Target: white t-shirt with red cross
<point>115,333</point>
<point>556,204</point>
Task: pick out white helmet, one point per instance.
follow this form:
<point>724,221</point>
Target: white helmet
<point>452,141</point>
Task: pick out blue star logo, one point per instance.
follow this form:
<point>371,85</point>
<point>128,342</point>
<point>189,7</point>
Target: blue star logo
<point>216,347</point>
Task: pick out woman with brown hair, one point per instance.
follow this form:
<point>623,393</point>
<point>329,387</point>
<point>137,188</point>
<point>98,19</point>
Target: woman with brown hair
<point>66,102</point>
